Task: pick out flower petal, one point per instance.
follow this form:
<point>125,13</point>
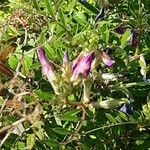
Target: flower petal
<point>106,59</point>
<point>83,65</point>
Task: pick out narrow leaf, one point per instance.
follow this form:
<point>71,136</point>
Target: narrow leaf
<point>111,118</point>
<point>61,15</point>
<point>125,37</point>
<point>51,143</point>
<point>89,6</point>
<point>30,141</point>
<point>49,7</point>
<point>61,131</point>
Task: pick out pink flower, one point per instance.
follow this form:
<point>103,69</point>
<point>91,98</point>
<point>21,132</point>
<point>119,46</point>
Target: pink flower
<point>47,66</point>
<point>82,65</point>
<point>48,69</point>
<point>106,59</point>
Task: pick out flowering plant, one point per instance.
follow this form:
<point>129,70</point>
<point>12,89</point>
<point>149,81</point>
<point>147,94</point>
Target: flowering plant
<point>74,74</point>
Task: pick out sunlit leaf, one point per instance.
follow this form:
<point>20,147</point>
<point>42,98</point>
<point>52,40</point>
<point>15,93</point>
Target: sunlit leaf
<point>30,141</point>
<point>111,118</point>
<point>49,7</point>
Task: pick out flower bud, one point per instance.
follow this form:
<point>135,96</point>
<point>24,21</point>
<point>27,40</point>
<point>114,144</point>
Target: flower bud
<point>111,104</point>
<point>82,66</point>
<point>47,66</point>
<point>106,59</point>
<point>48,69</point>
<point>134,38</point>
<point>66,62</point>
<point>66,58</point>
<point>66,69</point>
<point>120,30</point>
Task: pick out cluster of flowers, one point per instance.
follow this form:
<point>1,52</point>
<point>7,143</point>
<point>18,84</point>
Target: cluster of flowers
<point>75,71</point>
<point>79,68</point>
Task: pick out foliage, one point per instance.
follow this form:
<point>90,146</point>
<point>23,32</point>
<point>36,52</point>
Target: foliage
<point>34,116</point>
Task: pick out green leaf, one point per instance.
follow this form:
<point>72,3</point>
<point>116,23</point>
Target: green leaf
<point>1,100</point>
<point>80,18</point>
<point>35,4</point>
<point>123,116</point>
<point>89,6</point>
<point>71,116</point>
<point>44,95</point>
<point>51,143</point>
<point>84,147</point>
<point>135,84</point>
<point>38,130</point>
<point>49,7</point>
<point>13,61</point>
<point>41,39</point>
<point>125,37</point>
<point>111,118</point>
<point>105,33</point>
<point>30,141</point>
<point>61,15</point>
<point>27,63</point>
<point>20,145</point>
<point>27,47</point>
<point>61,131</point>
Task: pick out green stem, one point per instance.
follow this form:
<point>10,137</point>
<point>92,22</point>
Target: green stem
<point>108,126</point>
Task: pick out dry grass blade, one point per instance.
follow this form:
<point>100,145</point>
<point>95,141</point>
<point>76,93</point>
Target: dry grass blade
<point>14,103</point>
<point>6,71</point>
<point>5,53</point>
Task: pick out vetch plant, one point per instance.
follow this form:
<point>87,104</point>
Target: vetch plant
<point>89,92</point>
<point>77,73</point>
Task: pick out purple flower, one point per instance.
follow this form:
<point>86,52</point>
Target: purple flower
<point>47,66</point>
<point>100,15</point>
<point>82,65</point>
<point>48,69</point>
<point>76,61</point>
<point>135,38</point>
<point>126,108</point>
<point>106,59</point>
<point>120,30</point>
